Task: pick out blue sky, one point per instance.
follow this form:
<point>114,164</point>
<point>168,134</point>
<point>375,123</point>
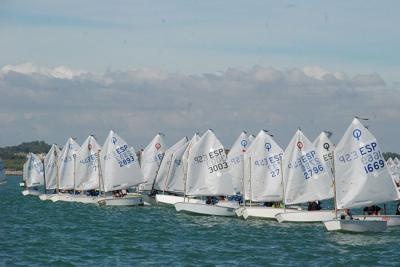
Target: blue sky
<point>73,68</point>
<point>203,36</point>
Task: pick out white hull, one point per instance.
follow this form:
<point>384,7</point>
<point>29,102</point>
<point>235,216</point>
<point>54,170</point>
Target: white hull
<point>306,216</point>
<point>61,197</point>
<point>355,226</point>
<point>30,192</point>
<point>46,196</point>
<point>148,200</point>
<point>172,200</point>
<point>204,209</point>
<point>392,220</point>
<point>136,200</point>
<point>264,212</point>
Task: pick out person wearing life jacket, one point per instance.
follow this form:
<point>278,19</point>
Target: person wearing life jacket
<point>372,210</point>
<point>315,205</point>
<point>347,215</point>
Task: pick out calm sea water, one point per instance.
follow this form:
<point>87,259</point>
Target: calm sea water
<point>38,233</point>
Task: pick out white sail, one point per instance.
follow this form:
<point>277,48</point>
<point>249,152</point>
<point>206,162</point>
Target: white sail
<point>306,178</point>
<point>251,138</point>
<point>87,171</point>
<point>35,171</point>
<point>176,176</point>
<point>150,160</point>
<point>235,161</point>
<point>51,167</point>
<point>208,169</point>
<point>325,148</point>
<point>67,166</point>
<point>119,164</point>
<point>390,162</point>
<point>263,179</point>
<point>25,170</point>
<point>165,167</point>
<point>361,176</point>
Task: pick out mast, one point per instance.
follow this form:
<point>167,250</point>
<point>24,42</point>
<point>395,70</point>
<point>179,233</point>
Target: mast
<point>283,184</point>
<point>244,192</point>
<point>101,181</point>
<point>334,183</point>
<point>251,189</point>
<point>74,156</point>
<point>44,176</point>
<point>57,172</point>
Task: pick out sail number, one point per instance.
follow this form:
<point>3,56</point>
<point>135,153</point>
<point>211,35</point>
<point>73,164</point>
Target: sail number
<point>369,155</point>
<point>216,160</point>
<point>124,156</point>
<point>309,164</point>
<point>218,167</point>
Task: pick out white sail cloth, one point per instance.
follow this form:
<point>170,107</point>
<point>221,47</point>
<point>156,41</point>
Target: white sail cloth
<point>87,171</point>
<point>325,148</point>
<point>119,166</point>
<point>51,167</point>
<point>235,161</point>
<point>150,160</point>
<point>67,166</point>
<point>361,176</point>
<point>34,171</point>
<point>208,169</point>
<point>306,177</point>
<point>263,178</point>
<point>164,172</point>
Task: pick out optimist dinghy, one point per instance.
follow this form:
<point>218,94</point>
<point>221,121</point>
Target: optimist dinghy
<point>207,175</point>
<point>361,179</point>
<point>119,169</point>
<point>33,169</point>
<point>306,179</point>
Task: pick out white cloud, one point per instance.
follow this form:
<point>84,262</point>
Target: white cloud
<point>40,103</point>
<point>60,72</point>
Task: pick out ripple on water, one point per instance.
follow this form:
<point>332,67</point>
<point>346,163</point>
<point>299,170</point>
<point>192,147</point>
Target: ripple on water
<point>71,234</point>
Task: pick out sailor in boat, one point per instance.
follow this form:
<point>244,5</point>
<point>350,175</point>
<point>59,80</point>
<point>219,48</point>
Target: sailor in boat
<point>268,204</point>
<point>398,208</point>
<point>347,215</point>
<point>372,210</point>
<point>315,205</point>
<point>278,205</point>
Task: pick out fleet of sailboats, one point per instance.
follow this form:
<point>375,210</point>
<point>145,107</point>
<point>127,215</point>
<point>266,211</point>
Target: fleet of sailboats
<point>255,179</point>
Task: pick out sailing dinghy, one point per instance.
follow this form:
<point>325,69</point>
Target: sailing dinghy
<point>66,171</point>
<point>51,172</point>
<point>236,166</point>
<point>263,178</point>
<point>87,172</point>
<point>207,175</point>
<point>33,169</point>
<point>119,169</point>
<point>361,179</point>
<point>306,179</point>
<point>173,189</point>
